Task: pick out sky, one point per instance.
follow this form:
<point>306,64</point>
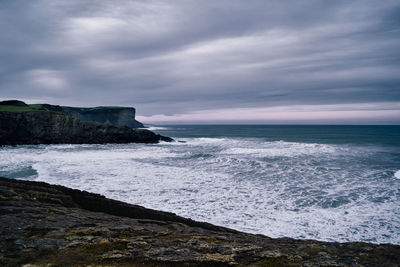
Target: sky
<point>207,61</point>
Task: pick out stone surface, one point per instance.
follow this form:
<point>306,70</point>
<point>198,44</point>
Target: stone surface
<point>49,225</point>
<point>121,116</point>
<point>46,127</point>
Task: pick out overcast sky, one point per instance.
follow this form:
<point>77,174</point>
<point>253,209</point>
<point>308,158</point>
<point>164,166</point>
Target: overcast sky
<point>207,61</point>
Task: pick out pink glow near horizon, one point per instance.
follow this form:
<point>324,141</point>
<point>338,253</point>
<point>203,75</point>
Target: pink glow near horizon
<point>376,113</point>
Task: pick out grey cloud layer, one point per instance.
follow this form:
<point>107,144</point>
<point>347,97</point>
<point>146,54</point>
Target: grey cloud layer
<point>167,57</point>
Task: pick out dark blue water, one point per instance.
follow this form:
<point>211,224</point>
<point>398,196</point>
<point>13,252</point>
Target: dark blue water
<point>386,135</point>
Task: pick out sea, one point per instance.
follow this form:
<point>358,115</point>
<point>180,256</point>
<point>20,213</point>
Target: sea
<point>330,183</point>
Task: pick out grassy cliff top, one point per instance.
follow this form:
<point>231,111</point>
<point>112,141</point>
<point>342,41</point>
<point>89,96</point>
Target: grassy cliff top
<point>8,108</point>
<point>16,106</point>
<point>19,106</point>
<point>46,106</point>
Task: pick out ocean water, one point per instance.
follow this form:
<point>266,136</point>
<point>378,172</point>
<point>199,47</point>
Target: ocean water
<point>332,183</point>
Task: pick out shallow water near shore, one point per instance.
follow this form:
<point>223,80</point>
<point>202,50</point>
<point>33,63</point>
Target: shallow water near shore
<point>332,183</point>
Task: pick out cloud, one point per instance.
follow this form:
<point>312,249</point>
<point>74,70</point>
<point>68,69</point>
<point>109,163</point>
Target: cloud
<point>47,79</point>
<point>377,113</point>
<point>186,57</point>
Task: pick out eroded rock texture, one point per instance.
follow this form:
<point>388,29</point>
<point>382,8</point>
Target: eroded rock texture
<point>48,225</point>
<point>122,116</point>
<point>45,127</point>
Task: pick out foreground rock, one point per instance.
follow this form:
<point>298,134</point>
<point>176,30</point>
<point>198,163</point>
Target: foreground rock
<point>48,225</point>
<point>46,127</point>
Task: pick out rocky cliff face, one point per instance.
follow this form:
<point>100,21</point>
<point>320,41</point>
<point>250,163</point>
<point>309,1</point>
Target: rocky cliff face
<point>45,127</point>
<point>50,225</point>
<point>122,116</point>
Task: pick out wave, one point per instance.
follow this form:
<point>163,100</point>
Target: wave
<point>280,149</point>
<point>262,148</point>
<point>278,188</point>
<point>156,128</point>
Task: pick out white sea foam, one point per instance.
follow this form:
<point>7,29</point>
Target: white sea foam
<point>325,192</point>
<point>397,174</point>
<point>156,128</point>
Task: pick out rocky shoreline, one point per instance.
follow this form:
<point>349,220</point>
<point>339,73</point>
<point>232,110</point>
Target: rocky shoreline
<point>50,225</point>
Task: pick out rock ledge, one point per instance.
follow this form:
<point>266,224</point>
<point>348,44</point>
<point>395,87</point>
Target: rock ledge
<point>50,225</point>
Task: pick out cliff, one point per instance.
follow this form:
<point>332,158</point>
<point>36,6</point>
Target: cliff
<point>50,225</point>
<point>49,124</point>
<point>122,116</point>
<point>45,127</point>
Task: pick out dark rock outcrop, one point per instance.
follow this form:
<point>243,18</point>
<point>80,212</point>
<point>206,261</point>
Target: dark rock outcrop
<point>122,116</point>
<point>13,103</point>
<point>50,225</point>
<point>45,127</point>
